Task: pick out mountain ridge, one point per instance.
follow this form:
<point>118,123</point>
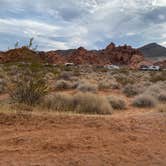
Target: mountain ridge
<point>153,51</point>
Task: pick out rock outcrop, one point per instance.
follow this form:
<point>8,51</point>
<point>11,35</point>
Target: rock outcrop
<point>121,55</point>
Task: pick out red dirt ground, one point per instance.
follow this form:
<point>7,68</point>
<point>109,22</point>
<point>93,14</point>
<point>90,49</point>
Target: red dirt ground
<point>123,139</point>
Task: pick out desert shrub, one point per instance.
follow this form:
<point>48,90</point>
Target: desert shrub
<point>62,84</point>
<point>117,103</point>
<point>29,91</point>
<point>79,103</point>
<point>144,101</point>
<point>131,90</point>
<point>155,89</point>
<point>104,85</point>
<point>162,96</point>
<point>65,75</point>
<point>49,76</point>
<point>161,108</point>
<point>87,87</point>
<point>91,103</point>
<point>158,76</point>
<point>2,85</point>
<point>124,80</point>
<point>115,85</point>
<point>58,102</point>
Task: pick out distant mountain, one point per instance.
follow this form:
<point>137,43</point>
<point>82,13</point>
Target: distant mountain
<point>153,51</point>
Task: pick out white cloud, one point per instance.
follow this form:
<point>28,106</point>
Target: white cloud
<point>83,22</point>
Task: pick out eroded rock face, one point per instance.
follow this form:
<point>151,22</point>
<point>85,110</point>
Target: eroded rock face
<point>121,55</point>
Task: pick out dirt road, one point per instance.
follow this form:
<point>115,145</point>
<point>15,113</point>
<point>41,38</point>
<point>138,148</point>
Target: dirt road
<point>66,140</point>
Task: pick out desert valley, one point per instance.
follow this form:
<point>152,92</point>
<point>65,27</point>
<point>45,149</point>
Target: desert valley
<point>83,83</point>
<point>80,107</point>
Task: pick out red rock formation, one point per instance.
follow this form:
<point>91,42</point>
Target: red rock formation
<point>121,55</point>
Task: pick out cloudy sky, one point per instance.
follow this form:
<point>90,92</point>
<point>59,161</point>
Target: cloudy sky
<point>63,24</point>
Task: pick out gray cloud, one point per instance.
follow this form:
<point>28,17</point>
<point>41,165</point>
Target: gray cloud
<point>69,23</point>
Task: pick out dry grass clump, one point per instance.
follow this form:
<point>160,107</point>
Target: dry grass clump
<point>65,75</point>
<point>2,85</point>
<point>155,89</point>
<point>58,102</point>
<point>115,85</point>
<point>162,108</point>
<point>117,103</point>
<point>124,79</point>
<point>144,101</point>
<point>87,87</point>
<point>162,96</point>
<point>62,84</point>
<point>104,85</point>
<point>79,103</point>
<point>131,90</point>
<point>91,103</point>
<point>158,76</point>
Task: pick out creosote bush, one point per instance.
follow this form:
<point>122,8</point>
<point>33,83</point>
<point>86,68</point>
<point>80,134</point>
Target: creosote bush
<point>144,101</point>
<point>29,91</point>
<point>79,103</point>
<point>116,102</point>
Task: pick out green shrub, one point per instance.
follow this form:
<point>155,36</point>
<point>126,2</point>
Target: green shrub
<point>144,101</point>
<point>117,103</point>
<point>29,91</point>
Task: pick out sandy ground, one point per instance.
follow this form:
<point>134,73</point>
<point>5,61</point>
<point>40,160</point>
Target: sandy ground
<point>123,139</point>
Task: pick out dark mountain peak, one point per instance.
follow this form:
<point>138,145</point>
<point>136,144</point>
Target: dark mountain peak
<point>153,51</point>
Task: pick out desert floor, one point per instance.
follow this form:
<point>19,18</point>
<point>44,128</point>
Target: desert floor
<point>130,138</point>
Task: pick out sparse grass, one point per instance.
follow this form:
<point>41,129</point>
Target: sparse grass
<point>117,103</point>
<point>144,101</point>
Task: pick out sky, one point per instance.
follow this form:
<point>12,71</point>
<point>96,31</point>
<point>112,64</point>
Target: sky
<point>93,24</point>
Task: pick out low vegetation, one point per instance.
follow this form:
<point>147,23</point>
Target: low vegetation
<point>144,101</point>
<point>29,91</point>
<point>131,90</point>
<point>87,87</point>
<point>79,103</point>
<point>117,103</point>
